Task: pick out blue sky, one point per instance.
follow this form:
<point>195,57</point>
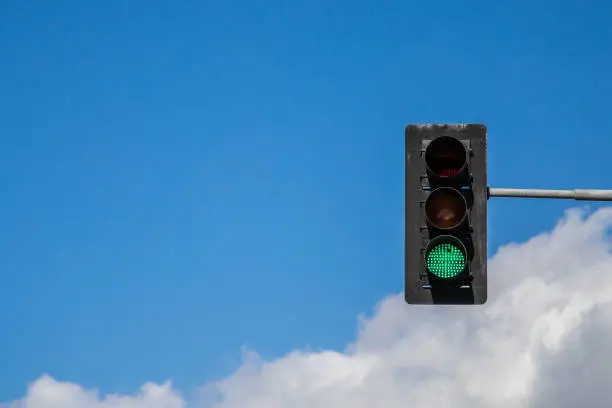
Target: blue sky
<point>181,181</point>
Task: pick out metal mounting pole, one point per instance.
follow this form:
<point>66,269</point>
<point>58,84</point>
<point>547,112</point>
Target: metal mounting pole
<point>584,195</point>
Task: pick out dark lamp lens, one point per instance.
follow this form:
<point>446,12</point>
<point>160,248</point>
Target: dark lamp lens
<point>445,208</point>
<point>446,156</point>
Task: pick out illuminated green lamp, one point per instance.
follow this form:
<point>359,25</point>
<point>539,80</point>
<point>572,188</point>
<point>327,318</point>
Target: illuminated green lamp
<point>445,257</point>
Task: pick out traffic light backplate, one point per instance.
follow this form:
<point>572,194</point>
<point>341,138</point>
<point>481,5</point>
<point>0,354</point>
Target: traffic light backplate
<point>446,214</point>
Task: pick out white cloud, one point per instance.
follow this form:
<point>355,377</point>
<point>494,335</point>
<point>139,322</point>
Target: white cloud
<point>48,393</point>
<point>543,340</point>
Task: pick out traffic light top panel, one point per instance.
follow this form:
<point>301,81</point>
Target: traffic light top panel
<point>446,154</point>
<point>431,128</point>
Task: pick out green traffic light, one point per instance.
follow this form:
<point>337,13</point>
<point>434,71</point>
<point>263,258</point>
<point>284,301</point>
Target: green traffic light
<point>446,258</point>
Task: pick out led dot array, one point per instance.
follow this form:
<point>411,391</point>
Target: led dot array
<point>445,260</point>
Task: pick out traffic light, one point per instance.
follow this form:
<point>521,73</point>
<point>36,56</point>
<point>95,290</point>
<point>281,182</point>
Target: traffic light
<point>446,214</point>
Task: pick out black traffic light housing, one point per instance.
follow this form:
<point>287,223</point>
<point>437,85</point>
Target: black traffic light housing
<point>446,214</point>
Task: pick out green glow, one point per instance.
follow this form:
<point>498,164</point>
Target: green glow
<point>445,260</point>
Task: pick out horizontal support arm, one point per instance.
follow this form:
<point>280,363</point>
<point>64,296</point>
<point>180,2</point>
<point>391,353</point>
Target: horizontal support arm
<point>583,195</point>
